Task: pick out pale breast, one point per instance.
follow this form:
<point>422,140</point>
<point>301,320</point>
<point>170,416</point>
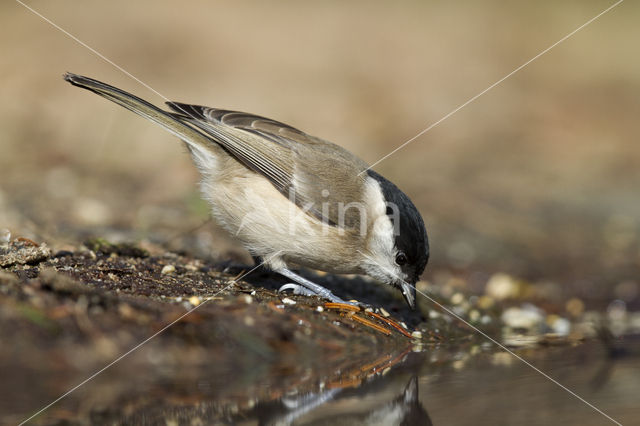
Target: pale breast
<point>269,225</point>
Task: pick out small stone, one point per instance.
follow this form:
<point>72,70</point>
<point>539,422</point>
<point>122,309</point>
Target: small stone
<point>404,325</point>
<point>23,251</point>
<point>520,340</point>
<point>384,313</point>
<point>502,286</point>
<point>458,364</point>
<point>575,307</point>
<point>319,309</point>
<point>168,269</point>
<point>474,315</point>
<point>457,298</point>
<point>560,326</point>
<point>527,317</point>
<point>485,302</point>
<point>253,292</point>
<point>288,301</point>
<point>194,300</point>
<point>416,335</point>
<point>247,299</point>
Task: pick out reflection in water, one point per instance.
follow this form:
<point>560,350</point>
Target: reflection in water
<point>469,383</point>
<point>404,409</point>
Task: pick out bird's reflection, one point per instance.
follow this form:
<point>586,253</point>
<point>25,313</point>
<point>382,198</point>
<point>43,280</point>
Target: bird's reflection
<point>380,401</point>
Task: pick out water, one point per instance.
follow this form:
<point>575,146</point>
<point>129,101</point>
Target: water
<point>448,384</point>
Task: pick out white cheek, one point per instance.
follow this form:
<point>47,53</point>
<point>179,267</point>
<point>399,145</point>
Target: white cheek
<point>381,241</point>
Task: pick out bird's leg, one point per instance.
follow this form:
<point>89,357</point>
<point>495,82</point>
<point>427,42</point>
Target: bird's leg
<point>307,288</point>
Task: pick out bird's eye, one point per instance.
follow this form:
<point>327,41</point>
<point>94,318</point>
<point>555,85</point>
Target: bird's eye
<point>401,258</point>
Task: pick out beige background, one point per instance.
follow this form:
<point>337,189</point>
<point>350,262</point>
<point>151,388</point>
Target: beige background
<point>539,177</point>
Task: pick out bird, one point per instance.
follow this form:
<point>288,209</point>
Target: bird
<point>291,199</point>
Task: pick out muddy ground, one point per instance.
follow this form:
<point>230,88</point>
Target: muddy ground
<point>209,340</point>
<point>70,312</point>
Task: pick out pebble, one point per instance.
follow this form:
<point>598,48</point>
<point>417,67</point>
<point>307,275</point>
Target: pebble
<point>319,309</point>
<point>502,286</point>
<point>560,326</point>
<point>474,315</point>
<point>575,307</point>
<point>457,298</point>
<point>384,313</point>
<point>195,300</point>
<point>168,269</point>
<point>527,317</point>
<point>288,301</point>
<point>519,340</point>
<point>485,302</point>
<point>247,299</point>
<point>416,335</point>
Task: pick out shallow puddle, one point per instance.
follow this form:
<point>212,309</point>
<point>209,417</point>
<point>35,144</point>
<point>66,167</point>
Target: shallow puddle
<point>443,384</point>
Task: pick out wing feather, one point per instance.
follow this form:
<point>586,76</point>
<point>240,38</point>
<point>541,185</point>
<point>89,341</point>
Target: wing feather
<point>317,175</point>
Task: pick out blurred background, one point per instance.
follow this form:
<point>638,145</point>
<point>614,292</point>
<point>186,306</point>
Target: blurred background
<point>538,178</point>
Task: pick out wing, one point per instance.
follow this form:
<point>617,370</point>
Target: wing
<point>317,175</point>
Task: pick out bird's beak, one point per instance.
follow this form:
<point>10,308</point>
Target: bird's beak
<point>409,293</point>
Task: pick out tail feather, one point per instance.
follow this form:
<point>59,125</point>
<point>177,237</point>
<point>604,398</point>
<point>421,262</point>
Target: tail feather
<point>143,108</point>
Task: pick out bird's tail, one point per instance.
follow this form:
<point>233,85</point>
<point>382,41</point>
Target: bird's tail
<point>143,108</point>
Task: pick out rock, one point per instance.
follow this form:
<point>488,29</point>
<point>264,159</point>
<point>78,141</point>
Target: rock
<point>22,251</point>
<point>168,269</point>
<point>502,286</point>
<point>527,317</point>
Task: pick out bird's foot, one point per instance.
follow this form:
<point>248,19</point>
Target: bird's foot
<point>306,287</point>
<point>297,289</point>
<point>319,291</point>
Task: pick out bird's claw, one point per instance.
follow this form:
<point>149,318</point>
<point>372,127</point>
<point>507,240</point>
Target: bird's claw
<point>300,289</point>
<point>297,289</point>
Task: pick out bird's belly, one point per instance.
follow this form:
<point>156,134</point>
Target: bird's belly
<point>276,229</point>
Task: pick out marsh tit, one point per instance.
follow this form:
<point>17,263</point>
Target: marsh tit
<point>293,199</point>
